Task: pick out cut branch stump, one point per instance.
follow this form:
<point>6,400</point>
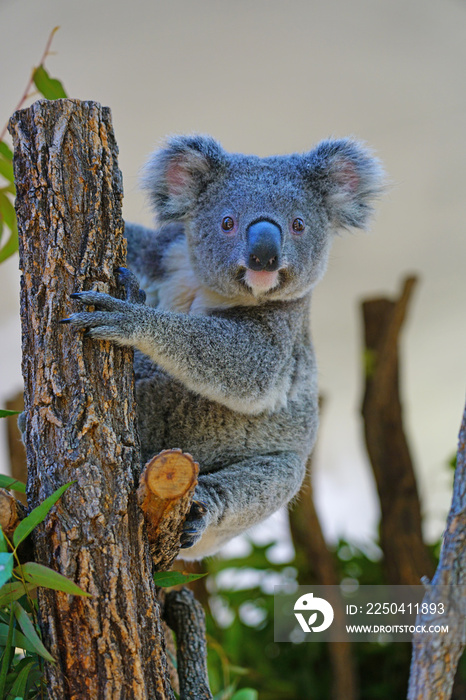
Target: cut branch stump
<point>165,495</point>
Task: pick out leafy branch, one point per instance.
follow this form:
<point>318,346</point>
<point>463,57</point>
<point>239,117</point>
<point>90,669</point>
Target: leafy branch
<point>23,677</point>
<point>51,89</point>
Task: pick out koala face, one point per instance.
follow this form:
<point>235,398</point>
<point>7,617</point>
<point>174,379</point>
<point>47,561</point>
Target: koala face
<point>261,227</point>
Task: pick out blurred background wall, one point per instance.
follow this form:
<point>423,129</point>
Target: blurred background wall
<point>274,76</point>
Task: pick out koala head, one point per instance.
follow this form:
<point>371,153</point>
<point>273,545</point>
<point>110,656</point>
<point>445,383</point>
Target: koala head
<point>261,227</point>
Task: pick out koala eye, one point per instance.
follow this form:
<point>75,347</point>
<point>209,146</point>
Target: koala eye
<point>298,225</point>
<point>228,224</point>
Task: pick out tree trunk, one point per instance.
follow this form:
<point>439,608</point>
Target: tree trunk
<point>79,402</point>
<point>435,657</point>
<point>406,557</point>
<point>318,567</point>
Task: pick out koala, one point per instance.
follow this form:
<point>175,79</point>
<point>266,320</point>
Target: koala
<point>224,363</point>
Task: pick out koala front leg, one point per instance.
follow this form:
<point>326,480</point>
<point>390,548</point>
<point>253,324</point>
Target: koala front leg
<point>239,359</point>
<point>236,497</point>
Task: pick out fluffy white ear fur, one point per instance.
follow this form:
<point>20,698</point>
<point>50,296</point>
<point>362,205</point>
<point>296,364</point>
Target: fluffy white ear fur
<point>174,176</point>
<point>350,179</point>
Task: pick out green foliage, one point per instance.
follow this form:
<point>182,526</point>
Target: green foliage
<point>242,651</point>
<point>7,482</point>
<point>165,579</point>
<point>37,515</point>
<point>51,89</point>
<point>21,674</point>
<point>39,575</point>
<point>4,413</point>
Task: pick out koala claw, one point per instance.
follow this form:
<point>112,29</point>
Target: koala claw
<point>131,285</point>
<point>194,525</point>
<point>198,509</point>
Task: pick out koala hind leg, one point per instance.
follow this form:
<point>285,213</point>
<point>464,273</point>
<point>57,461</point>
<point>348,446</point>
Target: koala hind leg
<point>237,496</point>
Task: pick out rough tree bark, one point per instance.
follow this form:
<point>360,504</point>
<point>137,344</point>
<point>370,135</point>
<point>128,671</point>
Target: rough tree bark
<point>80,411</point>
<point>435,657</point>
<point>185,616</point>
<point>406,558</point>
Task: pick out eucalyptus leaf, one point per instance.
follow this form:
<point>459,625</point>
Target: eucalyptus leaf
<point>7,211</point>
<point>19,640</point>
<point>7,482</point>
<point>3,542</point>
<point>51,88</point>
<point>18,688</point>
<point>37,515</point>
<point>10,247</point>
<point>4,413</point>
<point>164,579</point>
<point>6,640</point>
<point>6,169</point>
<point>13,591</point>
<point>245,694</point>
<point>40,575</point>
<point>6,151</point>
<point>6,566</point>
<point>30,633</point>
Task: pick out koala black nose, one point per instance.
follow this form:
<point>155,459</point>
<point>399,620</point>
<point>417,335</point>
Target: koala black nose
<point>264,246</point>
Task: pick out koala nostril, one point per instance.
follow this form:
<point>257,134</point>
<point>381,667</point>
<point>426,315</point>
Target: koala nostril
<point>264,243</point>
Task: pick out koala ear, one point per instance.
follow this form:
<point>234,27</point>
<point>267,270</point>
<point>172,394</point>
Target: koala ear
<point>175,175</point>
<point>349,178</point>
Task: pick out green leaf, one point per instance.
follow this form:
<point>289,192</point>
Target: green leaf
<point>8,216</point>
<point>41,575</point>
<point>10,247</point>
<point>10,189</point>
<point>18,688</point>
<point>30,633</point>
<point>245,694</point>
<point>51,88</point>
<point>37,515</point>
<point>6,169</point>
<point>6,640</point>
<point>7,211</point>
<point>4,413</point>
<point>164,579</point>
<point>13,591</point>
<point>19,640</point>
<point>6,566</point>
<point>3,542</point>
<point>7,482</point>
<point>6,151</point>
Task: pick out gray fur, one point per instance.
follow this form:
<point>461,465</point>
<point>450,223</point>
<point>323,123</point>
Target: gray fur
<point>225,368</point>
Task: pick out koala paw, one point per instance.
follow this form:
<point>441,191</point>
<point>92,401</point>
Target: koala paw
<point>194,525</point>
<point>113,319</point>
<point>129,281</point>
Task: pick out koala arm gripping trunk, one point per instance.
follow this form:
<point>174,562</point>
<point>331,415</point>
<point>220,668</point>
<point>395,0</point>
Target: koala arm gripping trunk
<point>241,358</point>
